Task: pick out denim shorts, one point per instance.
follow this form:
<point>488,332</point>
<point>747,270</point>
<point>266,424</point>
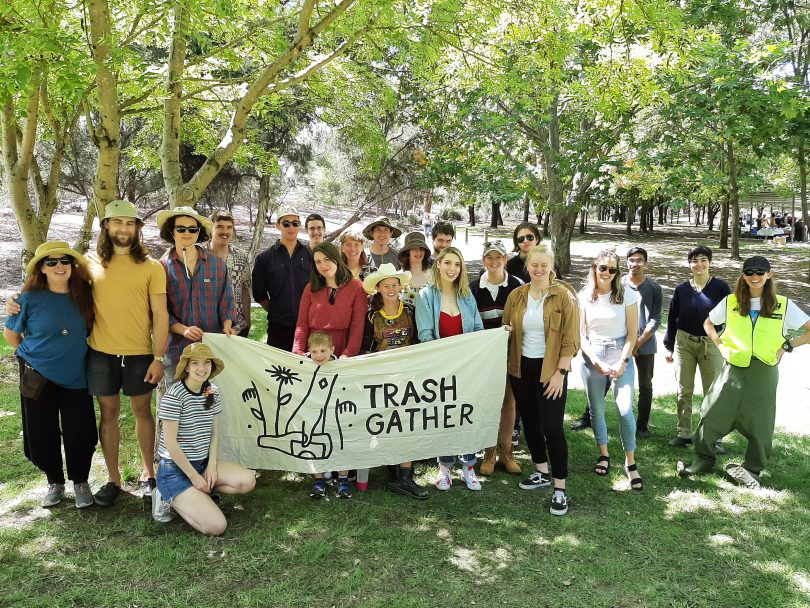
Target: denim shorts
<point>172,481</point>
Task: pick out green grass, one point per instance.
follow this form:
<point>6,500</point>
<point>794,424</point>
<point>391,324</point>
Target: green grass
<point>678,543</point>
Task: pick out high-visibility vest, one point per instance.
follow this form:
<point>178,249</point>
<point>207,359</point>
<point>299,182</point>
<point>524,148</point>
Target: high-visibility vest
<point>742,338</point>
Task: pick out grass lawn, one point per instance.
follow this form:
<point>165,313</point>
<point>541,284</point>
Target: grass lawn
<point>677,543</point>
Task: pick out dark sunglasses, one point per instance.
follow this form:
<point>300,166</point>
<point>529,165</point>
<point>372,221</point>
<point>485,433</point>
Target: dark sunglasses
<point>294,224</point>
<point>528,237</point>
<point>184,229</point>
<point>754,271</point>
<point>603,268</point>
<point>51,262</point>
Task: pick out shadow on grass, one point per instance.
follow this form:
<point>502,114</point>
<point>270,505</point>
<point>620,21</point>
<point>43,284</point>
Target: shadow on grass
<point>701,542</point>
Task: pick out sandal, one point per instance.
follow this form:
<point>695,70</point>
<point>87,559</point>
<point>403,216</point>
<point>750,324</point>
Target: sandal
<point>602,469</point>
<point>638,482</point>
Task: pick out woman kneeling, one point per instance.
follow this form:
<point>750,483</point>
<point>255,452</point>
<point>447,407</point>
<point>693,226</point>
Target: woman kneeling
<point>189,471</point>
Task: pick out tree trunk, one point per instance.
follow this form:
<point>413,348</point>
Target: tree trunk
<point>712,214</point>
<point>803,190</point>
<point>261,216</point>
<point>583,220</point>
<point>496,212</point>
<point>86,231</point>
<point>734,196</point>
<point>526,206</point>
<point>724,222</point>
<point>107,133</point>
<point>561,227</point>
<point>471,213</point>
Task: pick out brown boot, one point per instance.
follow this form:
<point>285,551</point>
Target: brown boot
<point>508,461</point>
<point>488,466</point>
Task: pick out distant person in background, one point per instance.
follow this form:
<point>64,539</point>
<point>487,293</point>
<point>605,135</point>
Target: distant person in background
<point>50,335</point>
<point>427,220</point>
<point>316,228</point>
<point>649,319</point>
<point>491,291</point>
<point>352,249</point>
<point>446,308</point>
<point>757,321</point>
<point>280,274</point>
<point>442,236</point>
<point>236,260</point>
<point>379,233</point>
<point>415,258</point>
<point>686,340</point>
<point>525,236</point>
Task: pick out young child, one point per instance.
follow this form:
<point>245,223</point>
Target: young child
<point>390,324</point>
<point>322,351</point>
<point>189,470</point>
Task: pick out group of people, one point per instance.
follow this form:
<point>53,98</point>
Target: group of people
<point>117,320</point>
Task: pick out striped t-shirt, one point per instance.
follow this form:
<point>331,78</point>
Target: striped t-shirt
<point>195,422</point>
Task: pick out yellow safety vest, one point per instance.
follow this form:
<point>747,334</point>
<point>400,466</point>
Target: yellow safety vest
<point>742,338</point>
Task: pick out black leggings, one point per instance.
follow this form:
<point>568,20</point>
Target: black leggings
<point>542,417</point>
<point>61,416</point>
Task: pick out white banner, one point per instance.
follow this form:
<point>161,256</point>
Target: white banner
<point>283,412</point>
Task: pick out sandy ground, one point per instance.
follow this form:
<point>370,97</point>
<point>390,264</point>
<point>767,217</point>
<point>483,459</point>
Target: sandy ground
<point>793,394</point>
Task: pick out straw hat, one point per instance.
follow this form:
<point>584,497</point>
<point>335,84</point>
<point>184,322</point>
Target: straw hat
<point>381,221</point>
<point>287,211</point>
<point>121,208</point>
<point>50,248</point>
<point>163,216</point>
<point>198,350</point>
<point>385,271</point>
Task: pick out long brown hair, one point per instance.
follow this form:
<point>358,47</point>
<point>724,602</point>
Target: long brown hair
<point>105,249</point>
<point>743,294</point>
<point>343,274</point>
<point>79,285</point>
<point>616,291</point>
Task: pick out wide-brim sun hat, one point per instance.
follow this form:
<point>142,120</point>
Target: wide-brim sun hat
<point>50,248</point>
<point>119,208</point>
<point>163,216</point>
<point>198,350</point>
<point>385,271</point>
<point>381,221</point>
<point>415,240</point>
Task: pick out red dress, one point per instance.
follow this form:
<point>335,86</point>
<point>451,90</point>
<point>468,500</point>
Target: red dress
<point>450,325</point>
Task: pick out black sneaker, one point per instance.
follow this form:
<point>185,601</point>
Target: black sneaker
<point>643,433</point>
<point>344,488</point>
<point>318,490</point>
<point>559,503</point>
<point>581,424</point>
<point>106,496</point>
<point>536,480</point>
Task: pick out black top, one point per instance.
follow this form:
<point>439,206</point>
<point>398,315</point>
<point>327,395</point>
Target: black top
<point>689,308</point>
<point>516,266</point>
<point>281,278</point>
<point>492,310</point>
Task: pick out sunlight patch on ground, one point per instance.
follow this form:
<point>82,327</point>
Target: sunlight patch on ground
<point>800,579</point>
<point>38,546</point>
<point>721,539</point>
<point>483,564</point>
<point>465,559</point>
<point>736,501</point>
<point>802,582</point>
<point>4,413</point>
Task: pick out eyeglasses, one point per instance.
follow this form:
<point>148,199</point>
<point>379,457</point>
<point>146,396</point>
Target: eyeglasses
<point>754,271</point>
<point>610,269</point>
<point>294,224</point>
<point>184,229</point>
<point>528,237</point>
<point>65,261</point>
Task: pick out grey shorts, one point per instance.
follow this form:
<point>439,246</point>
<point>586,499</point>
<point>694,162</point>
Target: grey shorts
<point>109,374</point>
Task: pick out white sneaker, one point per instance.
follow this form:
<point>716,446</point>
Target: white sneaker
<point>161,511</point>
<point>468,474</point>
<point>443,479</point>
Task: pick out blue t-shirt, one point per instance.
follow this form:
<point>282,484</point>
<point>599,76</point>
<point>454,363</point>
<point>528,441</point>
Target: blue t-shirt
<point>55,336</point>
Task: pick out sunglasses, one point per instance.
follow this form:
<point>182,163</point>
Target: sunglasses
<point>287,224</point>
<point>528,237</point>
<point>610,269</point>
<point>754,271</point>
<point>184,229</point>
<point>65,261</point>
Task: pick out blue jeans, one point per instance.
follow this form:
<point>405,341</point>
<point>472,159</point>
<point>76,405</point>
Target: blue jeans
<point>468,460</point>
<point>595,383</point>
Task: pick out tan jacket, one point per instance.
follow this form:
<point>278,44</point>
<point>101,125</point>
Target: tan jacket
<point>560,321</point>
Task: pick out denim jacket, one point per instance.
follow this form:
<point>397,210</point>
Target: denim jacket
<point>428,309</point>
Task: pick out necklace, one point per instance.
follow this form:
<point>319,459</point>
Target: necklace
<point>392,317</point>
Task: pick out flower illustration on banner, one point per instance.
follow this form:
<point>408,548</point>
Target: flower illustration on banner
<point>283,376</point>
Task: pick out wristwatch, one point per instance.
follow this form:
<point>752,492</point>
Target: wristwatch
<point>787,347</point>
<point>159,359</point>
<point>564,372</point>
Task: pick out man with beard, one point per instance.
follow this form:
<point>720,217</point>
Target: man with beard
<point>128,339</point>
<point>222,246</point>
